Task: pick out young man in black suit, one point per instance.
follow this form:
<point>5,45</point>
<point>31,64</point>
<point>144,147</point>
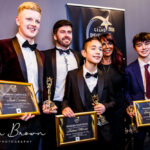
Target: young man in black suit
<point>83,83</point>
<point>58,61</point>
<point>21,61</point>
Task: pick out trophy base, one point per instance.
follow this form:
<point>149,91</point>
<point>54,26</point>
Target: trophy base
<point>49,104</point>
<point>133,128</point>
<point>101,121</point>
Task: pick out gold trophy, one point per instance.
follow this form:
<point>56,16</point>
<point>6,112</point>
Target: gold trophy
<point>132,126</point>
<point>49,104</point>
<point>101,119</point>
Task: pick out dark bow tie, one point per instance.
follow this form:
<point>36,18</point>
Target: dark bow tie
<point>26,44</point>
<point>88,75</point>
<point>63,51</point>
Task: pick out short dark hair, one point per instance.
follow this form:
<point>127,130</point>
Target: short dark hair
<point>141,37</point>
<point>89,40</point>
<point>61,23</point>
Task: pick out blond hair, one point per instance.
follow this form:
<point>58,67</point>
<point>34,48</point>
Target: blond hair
<point>29,5</point>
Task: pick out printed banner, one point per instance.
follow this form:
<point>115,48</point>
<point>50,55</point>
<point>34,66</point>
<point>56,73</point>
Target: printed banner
<point>91,21</point>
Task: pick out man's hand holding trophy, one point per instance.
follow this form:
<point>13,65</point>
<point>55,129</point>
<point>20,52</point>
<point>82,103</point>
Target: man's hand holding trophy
<point>48,105</point>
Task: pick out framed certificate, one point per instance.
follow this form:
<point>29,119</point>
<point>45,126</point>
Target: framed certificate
<point>17,98</point>
<point>142,112</point>
<point>81,128</point>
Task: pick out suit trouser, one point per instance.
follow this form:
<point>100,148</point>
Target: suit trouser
<point>139,138</point>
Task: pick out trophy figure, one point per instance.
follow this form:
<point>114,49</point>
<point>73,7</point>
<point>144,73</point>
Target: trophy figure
<point>49,104</point>
<point>132,126</point>
<point>101,119</point>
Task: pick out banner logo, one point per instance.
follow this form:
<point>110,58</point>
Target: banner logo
<point>89,21</point>
<point>98,25</point>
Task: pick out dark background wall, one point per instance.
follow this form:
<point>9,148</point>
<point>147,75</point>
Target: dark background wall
<point>136,18</point>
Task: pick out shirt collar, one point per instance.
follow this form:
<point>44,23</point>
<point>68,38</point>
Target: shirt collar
<point>142,63</point>
<point>61,48</point>
<point>85,70</point>
<point>21,39</point>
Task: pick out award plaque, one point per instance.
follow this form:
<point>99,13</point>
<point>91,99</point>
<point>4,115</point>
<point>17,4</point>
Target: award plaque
<point>81,128</point>
<point>16,99</point>
<point>142,112</point>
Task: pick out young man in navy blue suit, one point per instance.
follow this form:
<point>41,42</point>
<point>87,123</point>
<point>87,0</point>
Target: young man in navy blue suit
<point>82,84</point>
<point>136,81</point>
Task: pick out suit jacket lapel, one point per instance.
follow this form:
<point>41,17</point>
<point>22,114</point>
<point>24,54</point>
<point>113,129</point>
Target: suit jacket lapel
<point>40,69</point>
<point>77,58</point>
<point>138,75</point>
<point>80,80</point>
<point>100,84</point>
<point>20,58</point>
<point>54,66</point>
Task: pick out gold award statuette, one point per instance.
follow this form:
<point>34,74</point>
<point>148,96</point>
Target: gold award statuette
<point>132,126</point>
<point>101,119</point>
<point>49,104</point>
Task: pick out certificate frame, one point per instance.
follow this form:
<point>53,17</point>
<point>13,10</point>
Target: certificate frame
<point>60,132</point>
<point>142,112</point>
<point>16,99</point>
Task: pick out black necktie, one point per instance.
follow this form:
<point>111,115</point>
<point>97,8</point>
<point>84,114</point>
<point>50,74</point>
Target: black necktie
<point>88,75</point>
<point>26,44</point>
<point>147,77</point>
<point>63,51</point>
